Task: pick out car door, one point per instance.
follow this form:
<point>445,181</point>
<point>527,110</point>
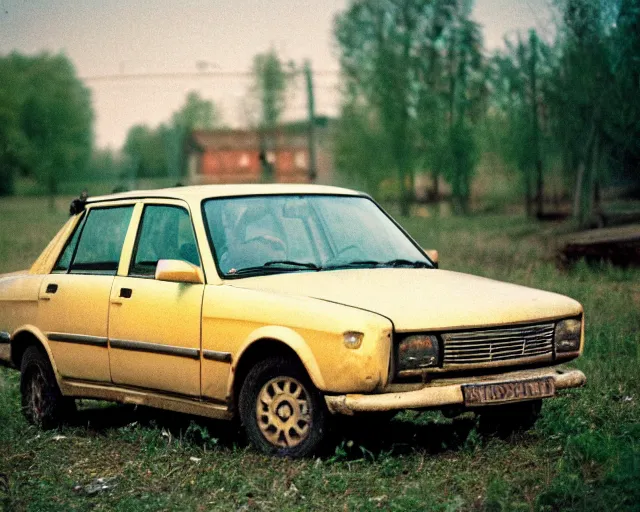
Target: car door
<point>74,299</point>
<point>154,326</point>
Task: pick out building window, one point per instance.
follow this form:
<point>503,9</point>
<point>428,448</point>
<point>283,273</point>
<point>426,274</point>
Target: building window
<point>271,157</point>
<point>301,160</point>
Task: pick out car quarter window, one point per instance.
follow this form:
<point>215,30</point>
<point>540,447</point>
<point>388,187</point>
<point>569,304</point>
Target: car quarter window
<point>100,241</point>
<point>165,233</point>
<point>62,265</point>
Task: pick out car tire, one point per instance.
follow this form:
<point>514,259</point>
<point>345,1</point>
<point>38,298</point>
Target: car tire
<point>281,410</point>
<point>42,402</point>
<point>505,419</point>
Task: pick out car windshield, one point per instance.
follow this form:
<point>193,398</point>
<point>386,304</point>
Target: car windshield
<point>283,233</point>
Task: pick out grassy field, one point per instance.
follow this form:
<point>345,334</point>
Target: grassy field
<point>583,454</point>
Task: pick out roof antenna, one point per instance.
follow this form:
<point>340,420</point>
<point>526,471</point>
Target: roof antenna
<point>78,204</point>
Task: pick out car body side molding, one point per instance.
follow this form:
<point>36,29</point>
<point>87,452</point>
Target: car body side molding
<point>81,339</point>
<point>156,348</point>
<point>214,355</point>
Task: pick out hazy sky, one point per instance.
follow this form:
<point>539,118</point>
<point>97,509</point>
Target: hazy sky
<point>114,37</point>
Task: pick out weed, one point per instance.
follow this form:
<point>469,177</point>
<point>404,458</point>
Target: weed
<point>583,454</point>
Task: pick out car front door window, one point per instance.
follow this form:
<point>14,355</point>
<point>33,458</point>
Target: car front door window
<point>166,233</point>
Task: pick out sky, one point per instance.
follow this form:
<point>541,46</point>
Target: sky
<point>110,40</point>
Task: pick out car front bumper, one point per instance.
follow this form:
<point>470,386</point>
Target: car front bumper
<point>445,392</point>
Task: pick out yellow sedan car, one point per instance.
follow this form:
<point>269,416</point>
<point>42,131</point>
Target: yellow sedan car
<point>281,304</point>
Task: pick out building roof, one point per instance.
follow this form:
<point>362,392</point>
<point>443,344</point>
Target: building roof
<point>243,140</point>
<point>197,193</point>
<point>291,134</point>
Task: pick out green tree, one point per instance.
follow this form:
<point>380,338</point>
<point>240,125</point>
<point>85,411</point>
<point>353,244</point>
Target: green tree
<point>622,117</point>
<point>271,78</point>
<point>145,149</point>
<point>106,165</point>
<point>415,65</point>
<point>580,89</point>
<point>53,137</point>
<point>360,147</point>
<point>466,93</point>
<point>377,42</point>
<point>57,119</point>
<point>593,91</point>
<point>519,77</point>
<point>159,152</point>
<point>432,109</point>
<point>12,140</point>
<point>196,114</point>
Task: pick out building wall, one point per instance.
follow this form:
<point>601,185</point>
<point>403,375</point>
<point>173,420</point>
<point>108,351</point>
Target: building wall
<point>234,157</point>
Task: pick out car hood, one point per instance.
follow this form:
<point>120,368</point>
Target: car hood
<point>422,299</point>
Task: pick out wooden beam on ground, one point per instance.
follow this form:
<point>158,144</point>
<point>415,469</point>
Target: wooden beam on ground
<point>619,246</point>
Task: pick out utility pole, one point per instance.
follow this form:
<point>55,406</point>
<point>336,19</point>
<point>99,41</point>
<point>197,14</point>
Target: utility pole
<point>533,40</point>
<point>313,171</point>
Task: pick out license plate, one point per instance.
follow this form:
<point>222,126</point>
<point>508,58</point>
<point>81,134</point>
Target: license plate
<point>481,394</point>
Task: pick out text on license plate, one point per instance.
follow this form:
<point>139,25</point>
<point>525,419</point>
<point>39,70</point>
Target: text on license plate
<point>479,394</point>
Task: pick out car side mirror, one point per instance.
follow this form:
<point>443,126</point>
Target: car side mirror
<point>433,256</point>
<point>178,271</point>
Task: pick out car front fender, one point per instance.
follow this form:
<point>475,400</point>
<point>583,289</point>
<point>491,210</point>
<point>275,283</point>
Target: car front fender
<point>290,338</point>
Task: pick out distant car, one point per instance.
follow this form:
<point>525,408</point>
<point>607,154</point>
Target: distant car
<point>280,304</point>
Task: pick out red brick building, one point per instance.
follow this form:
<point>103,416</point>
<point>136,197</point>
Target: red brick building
<point>251,156</point>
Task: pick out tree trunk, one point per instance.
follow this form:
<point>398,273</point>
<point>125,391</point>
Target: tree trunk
<point>589,184</point>
<point>405,188</point>
<point>535,126</point>
<point>466,192</point>
<point>6,180</point>
<point>405,201</point>
<point>582,163</point>
<point>436,186</point>
<point>539,189</point>
<point>577,195</point>
<point>528,199</point>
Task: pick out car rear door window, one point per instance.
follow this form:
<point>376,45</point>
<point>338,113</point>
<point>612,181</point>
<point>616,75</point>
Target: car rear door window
<point>166,233</point>
<point>101,240</point>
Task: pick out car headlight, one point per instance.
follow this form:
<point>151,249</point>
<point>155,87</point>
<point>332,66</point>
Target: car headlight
<point>353,339</point>
<point>567,335</point>
<point>418,351</point>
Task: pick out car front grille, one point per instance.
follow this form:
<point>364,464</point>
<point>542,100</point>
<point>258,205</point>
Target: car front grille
<point>500,344</point>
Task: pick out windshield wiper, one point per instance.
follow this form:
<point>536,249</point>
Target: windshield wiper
<point>273,267</point>
<point>354,264</point>
<point>405,263</point>
<point>304,264</point>
<point>379,264</point>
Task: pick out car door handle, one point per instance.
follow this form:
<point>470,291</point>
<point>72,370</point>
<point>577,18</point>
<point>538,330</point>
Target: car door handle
<point>49,290</point>
<point>126,293</point>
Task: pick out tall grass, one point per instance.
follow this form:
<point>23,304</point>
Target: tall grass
<point>583,454</point>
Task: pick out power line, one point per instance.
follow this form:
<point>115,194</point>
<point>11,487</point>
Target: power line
<point>182,75</point>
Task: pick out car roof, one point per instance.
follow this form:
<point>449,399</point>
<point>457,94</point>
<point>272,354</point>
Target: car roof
<point>196,193</point>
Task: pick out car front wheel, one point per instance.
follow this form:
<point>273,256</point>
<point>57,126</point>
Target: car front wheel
<point>281,410</point>
<point>42,402</point>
